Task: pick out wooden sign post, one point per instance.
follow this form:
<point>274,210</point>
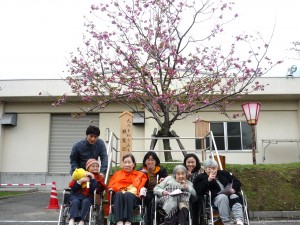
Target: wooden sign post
<point>201,129</point>
<point>125,134</point>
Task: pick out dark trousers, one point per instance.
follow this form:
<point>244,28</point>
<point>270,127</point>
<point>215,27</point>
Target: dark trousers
<point>180,218</point>
<point>124,204</point>
<point>195,208</point>
<point>149,202</point>
<point>80,207</point>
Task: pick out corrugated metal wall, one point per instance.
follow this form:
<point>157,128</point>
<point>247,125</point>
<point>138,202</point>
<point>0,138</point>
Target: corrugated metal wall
<point>65,131</point>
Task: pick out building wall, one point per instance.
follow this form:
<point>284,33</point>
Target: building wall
<point>24,148</point>
<point>1,136</point>
<point>26,145</point>
<point>29,140</point>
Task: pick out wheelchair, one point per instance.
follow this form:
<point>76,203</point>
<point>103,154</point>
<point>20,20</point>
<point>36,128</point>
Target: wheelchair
<point>138,213</point>
<point>159,214</point>
<point>96,213</point>
<point>209,213</point>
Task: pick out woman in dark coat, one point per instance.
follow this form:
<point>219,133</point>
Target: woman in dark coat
<point>224,188</point>
<point>193,166</point>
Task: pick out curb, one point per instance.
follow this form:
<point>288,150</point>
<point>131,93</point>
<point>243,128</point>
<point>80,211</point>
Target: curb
<point>263,215</point>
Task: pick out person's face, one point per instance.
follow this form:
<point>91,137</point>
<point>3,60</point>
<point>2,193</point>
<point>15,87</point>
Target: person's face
<point>94,168</point>
<point>128,164</point>
<point>150,163</point>
<point>92,138</point>
<point>180,176</point>
<point>190,164</point>
<point>210,170</point>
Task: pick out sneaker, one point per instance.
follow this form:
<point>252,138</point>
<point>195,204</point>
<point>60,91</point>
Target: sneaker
<point>239,222</point>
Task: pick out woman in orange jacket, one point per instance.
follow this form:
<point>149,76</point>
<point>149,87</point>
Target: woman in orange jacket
<point>127,184</point>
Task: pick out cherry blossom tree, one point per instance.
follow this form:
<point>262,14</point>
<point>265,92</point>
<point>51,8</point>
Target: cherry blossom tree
<point>162,55</point>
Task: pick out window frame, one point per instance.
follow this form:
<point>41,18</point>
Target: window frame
<point>226,141</point>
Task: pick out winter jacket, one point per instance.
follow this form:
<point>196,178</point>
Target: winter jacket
<point>82,151</point>
<point>95,184</point>
<point>202,185</point>
<point>159,170</point>
<point>122,179</point>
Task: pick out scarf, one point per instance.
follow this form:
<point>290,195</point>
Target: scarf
<point>170,203</point>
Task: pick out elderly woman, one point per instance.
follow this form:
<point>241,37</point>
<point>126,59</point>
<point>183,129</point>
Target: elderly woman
<point>174,193</point>
<point>155,174</point>
<point>224,188</point>
<point>128,185</point>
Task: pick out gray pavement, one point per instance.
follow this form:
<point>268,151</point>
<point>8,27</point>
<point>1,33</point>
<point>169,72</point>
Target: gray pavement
<point>28,209</point>
<point>31,208</point>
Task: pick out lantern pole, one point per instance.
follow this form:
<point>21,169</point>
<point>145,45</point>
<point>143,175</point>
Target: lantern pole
<point>253,145</point>
<point>251,112</point>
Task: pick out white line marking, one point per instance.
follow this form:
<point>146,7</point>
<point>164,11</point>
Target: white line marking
<point>37,221</point>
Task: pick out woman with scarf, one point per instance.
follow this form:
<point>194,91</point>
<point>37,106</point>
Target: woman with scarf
<point>174,194</point>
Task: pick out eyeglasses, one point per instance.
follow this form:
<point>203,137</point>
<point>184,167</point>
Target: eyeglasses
<point>150,160</point>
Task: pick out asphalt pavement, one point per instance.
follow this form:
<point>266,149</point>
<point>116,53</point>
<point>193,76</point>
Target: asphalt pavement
<point>28,209</point>
<point>31,209</point>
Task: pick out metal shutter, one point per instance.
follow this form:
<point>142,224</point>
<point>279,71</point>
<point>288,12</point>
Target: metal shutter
<point>65,131</point>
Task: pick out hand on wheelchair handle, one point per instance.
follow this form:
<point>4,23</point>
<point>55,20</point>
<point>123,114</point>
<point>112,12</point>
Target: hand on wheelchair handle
<point>144,171</point>
<point>161,179</point>
<point>143,191</point>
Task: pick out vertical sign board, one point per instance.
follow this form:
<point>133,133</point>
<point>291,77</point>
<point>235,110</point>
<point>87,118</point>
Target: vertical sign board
<point>125,134</point>
<point>201,129</point>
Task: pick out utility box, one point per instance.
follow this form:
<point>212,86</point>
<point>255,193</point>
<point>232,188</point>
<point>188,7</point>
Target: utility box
<point>9,119</point>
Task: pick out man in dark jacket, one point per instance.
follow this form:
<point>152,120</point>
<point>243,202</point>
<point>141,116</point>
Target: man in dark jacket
<point>90,148</point>
<point>224,188</point>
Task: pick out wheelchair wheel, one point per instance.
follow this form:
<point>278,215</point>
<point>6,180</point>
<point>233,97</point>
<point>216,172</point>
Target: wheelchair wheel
<point>96,215</point>
<point>64,215</point>
<point>245,208</point>
<point>148,213</point>
<point>100,216</point>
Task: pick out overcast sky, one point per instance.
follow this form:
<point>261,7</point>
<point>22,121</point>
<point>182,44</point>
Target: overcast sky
<point>37,35</point>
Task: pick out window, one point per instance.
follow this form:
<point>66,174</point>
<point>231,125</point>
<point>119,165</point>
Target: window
<point>232,135</point>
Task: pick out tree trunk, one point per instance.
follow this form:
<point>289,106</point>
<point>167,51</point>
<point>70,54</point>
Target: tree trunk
<point>167,146</point>
<point>166,143</point>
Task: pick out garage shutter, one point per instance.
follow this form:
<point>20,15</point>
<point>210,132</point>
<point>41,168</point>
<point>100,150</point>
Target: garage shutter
<point>65,131</point>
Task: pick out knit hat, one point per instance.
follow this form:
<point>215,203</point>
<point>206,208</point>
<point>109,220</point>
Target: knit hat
<point>90,162</point>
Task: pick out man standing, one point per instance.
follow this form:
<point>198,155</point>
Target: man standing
<point>88,148</point>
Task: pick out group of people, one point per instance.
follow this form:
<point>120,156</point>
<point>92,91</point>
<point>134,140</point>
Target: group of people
<point>178,193</point>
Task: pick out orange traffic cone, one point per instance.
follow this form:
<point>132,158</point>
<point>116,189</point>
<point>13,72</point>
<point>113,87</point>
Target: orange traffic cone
<point>53,198</point>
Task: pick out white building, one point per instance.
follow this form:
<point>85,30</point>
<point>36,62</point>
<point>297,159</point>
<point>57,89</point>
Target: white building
<point>36,137</point>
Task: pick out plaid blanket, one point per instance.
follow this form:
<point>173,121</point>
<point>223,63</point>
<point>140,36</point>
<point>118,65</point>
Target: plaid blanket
<point>171,203</point>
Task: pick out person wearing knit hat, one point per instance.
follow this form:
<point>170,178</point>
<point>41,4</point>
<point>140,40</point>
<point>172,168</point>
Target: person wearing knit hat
<point>90,162</point>
<point>82,196</point>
